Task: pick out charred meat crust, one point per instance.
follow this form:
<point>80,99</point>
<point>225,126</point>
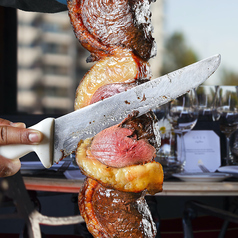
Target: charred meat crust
<point>127,212</point>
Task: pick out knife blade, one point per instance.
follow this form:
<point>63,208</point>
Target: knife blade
<point>62,135</point>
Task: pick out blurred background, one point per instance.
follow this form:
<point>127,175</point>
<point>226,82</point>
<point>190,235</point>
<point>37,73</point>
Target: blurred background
<point>51,62</point>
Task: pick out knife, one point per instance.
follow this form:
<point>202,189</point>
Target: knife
<point>62,135</point>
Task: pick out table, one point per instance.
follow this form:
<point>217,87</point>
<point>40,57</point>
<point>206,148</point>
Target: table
<point>62,185</point>
<point>170,188</point>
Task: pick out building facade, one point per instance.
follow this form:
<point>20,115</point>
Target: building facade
<point>51,61</point>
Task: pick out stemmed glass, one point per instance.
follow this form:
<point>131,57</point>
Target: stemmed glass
<point>183,115</point>
<point>227,110</point>
<point>206,101</point>
<point>166,154</point>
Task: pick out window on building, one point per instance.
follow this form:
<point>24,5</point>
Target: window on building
<point>48,63</point>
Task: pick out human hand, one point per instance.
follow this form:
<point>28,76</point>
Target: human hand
<point>15,133</point>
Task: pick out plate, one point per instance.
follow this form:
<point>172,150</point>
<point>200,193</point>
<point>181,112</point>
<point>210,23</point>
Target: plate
<point>202,177</point>
<point>31,167</point>
<point>74,174</point>
<point>229,169</point>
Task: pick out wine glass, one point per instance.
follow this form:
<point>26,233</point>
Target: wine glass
<point>227,110</point>
<point>206,102</point>
<point>166,154</point>
<point>183,115</point>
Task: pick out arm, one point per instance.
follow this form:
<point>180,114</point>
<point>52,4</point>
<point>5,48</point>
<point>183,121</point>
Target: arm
<point>47,6</point>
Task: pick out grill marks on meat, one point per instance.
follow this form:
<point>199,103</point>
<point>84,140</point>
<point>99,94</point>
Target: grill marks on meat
<point>102,26</point>
<point>126,214</point>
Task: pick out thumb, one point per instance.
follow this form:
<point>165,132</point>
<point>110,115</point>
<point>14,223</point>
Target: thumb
<point>9,167</point>
<point>19,135</point>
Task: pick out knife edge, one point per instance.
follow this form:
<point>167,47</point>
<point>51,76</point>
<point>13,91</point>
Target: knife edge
<point>142,98</point>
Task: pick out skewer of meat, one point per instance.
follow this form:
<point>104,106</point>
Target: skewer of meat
<point>119,161</point>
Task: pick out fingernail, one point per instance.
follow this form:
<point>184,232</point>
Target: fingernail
<point>18,124</point>
<point>35,137</point>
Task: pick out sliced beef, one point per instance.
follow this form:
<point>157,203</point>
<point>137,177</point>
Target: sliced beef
<point>125,144</point>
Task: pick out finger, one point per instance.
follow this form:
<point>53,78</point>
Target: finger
<point>4,122</point>
<point>15,135</point>
<point>9,167</point>
<point>14,124</point>
<point>18,124</point>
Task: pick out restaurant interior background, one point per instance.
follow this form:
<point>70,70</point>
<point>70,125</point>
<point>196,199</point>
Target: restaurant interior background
<point>51,62</point>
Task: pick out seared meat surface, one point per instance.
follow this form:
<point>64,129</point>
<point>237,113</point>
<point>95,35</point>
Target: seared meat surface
<point>102,26</point>
<point>125,214</point>
<point>118,161</point>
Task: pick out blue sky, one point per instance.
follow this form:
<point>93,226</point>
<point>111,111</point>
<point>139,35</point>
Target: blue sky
<point>209,26</point>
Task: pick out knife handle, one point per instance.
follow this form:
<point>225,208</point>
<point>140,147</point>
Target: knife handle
<point>44,150</point>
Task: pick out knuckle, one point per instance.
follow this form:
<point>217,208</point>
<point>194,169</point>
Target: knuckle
<point>9,167</point>
<point>4,122</point>
<point>3,135</point>
<point>24,137</point>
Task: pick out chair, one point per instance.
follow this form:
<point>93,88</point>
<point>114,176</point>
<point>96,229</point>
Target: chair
<point>192,208</point>
<point>13,187</point>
